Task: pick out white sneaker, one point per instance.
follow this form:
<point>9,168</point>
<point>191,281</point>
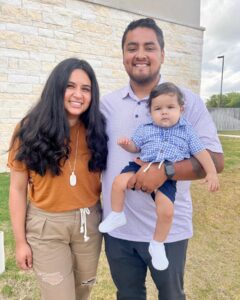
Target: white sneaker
<point>113,221</point>
<point>159,258</point>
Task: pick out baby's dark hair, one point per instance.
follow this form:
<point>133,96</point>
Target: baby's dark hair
<point>166,88</point>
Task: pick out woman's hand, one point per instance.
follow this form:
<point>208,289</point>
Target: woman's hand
<point>147,181</point>
<point>24,256</point>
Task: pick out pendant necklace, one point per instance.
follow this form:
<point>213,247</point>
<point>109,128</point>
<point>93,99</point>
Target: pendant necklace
<point>73,178</point>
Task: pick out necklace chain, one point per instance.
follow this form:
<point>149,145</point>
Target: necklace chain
<point>73,179</point>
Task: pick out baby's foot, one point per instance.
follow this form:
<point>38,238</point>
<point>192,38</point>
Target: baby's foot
<point>159,258</point>
<point>113,221</point>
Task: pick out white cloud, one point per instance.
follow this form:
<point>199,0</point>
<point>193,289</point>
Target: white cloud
<point>222,22</point>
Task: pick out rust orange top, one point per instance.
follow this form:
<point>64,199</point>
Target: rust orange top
<point>54,193</point>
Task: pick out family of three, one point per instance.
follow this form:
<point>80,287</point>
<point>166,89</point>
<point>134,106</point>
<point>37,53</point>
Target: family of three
<point>71,147</point>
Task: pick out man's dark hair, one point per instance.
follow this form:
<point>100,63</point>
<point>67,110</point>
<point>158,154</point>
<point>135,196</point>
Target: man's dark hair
<point>145,23</point>
<point>166,88</point>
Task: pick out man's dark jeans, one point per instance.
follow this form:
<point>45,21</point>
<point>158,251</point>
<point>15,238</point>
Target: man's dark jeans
<point>129,261</point>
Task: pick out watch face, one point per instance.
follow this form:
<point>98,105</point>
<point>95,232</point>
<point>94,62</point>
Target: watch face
<point>169,169</point>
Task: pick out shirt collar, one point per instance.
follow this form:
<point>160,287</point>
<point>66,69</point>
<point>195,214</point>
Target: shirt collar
<point>180,123</point>
<point>128,92</point>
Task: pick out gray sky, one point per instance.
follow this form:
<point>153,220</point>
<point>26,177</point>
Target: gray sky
<point>221,19</point>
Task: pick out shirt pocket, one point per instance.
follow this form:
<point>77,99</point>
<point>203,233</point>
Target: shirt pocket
<point>179,146</point>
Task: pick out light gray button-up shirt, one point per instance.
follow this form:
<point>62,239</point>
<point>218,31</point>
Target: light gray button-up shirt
<point>124,112</point>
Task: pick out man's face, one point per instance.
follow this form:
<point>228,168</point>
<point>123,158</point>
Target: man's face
<point>142,55</point>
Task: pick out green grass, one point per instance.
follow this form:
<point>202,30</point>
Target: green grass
<point>7,290</point>
<point>4,215</point>
<point>231,148</point>
<point>213,264</point>
<point>5,222</point>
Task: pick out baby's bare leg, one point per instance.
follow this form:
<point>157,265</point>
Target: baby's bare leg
<point>164,209</point>
<point>116,218</point>
<point>119,187</point>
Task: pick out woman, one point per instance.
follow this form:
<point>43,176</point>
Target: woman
<point>57,153</point>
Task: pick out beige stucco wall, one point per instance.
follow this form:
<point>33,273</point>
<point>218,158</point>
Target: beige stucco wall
<point>36,35</point>
<point>184,12</point>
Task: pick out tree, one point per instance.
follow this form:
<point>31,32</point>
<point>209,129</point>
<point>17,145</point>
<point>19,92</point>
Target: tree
<point>216,101</point>
<point>228,100</point>
<point>234,100</point>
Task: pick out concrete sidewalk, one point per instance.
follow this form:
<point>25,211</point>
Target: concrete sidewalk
<point>230,135</point>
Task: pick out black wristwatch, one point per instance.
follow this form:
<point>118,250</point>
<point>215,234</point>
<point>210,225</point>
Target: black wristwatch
<point>169,169</point>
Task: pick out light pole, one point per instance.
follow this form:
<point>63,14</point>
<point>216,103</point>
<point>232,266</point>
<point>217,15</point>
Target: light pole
<point>220,100</point>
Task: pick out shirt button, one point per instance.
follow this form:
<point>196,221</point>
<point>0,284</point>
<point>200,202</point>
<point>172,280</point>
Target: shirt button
<point>139,103</point>
<point>136,116</point>
<point>161,151</point>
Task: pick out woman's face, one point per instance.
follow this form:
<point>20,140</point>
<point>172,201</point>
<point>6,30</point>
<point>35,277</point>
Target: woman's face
<point>77,96</point>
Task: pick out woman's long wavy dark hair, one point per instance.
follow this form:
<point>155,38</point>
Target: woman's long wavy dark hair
<point>44,132</point>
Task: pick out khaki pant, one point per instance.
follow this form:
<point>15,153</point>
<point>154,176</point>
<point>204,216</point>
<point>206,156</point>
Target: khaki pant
<point>64,263</point>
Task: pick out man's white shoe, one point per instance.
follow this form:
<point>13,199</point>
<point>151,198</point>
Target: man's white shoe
<point>158,253</point>
<point>113,221</point>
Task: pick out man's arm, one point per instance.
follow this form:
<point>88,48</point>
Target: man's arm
<point>188,169</point>
<point>191,169</point>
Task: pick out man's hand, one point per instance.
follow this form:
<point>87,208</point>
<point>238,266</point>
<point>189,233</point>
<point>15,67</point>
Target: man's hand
<point>147,181</point>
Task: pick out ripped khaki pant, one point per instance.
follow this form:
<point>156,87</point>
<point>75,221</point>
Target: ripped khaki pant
<point>64,263</point>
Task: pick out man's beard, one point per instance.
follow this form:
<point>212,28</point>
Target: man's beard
<point>144,80</point>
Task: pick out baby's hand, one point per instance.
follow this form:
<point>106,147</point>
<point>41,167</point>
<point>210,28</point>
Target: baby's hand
<point>212,181</point>
<point>123,141</point>
<point>127,144</point>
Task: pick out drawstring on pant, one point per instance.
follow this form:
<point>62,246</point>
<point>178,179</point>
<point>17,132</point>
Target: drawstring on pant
<point>83,229</point>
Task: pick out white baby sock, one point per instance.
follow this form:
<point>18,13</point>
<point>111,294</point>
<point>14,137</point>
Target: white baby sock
<point>159,258</point>
<point>113,221</point>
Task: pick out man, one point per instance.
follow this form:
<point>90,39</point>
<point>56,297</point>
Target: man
<point>125,109</point>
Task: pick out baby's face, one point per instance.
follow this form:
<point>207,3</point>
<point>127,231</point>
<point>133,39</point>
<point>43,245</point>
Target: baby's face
<point>165,110</point>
